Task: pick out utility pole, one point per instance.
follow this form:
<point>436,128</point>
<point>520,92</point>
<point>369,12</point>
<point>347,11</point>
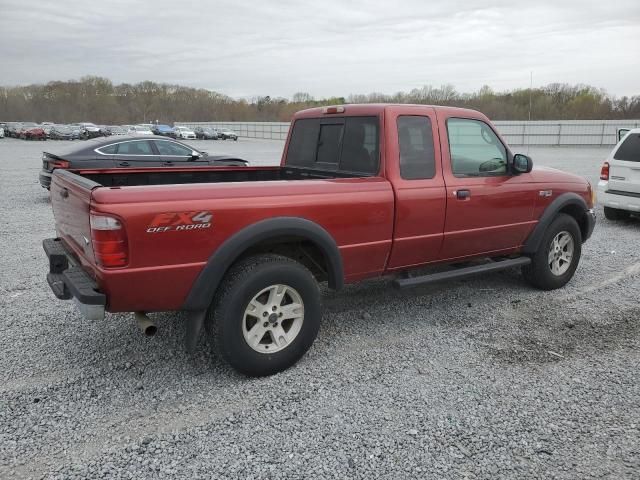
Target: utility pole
<point>530,91</point>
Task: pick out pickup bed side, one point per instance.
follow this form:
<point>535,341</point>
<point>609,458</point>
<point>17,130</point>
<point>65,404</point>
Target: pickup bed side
<point>357,213</point>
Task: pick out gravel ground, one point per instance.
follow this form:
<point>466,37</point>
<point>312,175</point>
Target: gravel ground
<point>482,378</point>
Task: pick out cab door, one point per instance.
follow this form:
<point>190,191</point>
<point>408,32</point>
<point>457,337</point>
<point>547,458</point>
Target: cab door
<point>489,210</point>
<point>414,168</point>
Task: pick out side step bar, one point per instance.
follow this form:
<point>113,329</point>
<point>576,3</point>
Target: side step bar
<point>461,272</point>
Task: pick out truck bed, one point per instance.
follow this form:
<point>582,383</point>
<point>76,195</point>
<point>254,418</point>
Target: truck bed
<point>173,176</point>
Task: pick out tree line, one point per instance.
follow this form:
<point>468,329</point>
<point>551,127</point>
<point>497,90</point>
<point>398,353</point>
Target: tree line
<point>98,100</point>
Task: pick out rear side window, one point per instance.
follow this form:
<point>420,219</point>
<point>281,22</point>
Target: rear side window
<point>629,150</point>
<point>349,144</point>
<point>135,148</point>
<point>109,149</point>
<point>415,141</point>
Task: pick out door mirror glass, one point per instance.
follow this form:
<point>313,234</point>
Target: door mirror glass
<point>195,154</point>
<point>522,163</point>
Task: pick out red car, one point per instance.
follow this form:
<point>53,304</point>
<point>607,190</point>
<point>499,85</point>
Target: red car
<point>362,191</point>
<point>33,133</point>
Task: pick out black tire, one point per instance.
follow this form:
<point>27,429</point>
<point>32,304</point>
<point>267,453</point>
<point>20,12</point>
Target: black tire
<point>539,273</point>
<point>241,284</point>
<point>615,214</point>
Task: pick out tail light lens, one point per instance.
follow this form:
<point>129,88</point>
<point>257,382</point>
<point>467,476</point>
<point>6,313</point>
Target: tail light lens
<point>59,164</point>
<point>604,172</point>
<point>109,241</point>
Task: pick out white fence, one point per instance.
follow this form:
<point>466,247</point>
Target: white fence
<point>561,132</point>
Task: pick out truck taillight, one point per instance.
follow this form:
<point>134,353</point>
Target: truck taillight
<point>604,172</point>
<point>109,241</point>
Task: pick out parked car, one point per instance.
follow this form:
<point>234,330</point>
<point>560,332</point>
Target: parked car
<point>32,132</point>
<point>89,130</point>
<point>13,129</point>
<point>619,185</point>
<point>363,191</point>
<point>61,132</point>
<point>225,133</point>
<point>22,127</point>
<point>184,133</point>
<point>115,130</point>
<point>47,129</point>
<point>139,130</point>
<point>130,151</point>
<point>164,131</point>
<point>205,133</point>
<point>2,128</point>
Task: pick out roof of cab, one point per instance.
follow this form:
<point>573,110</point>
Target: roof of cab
<point>377,108</point>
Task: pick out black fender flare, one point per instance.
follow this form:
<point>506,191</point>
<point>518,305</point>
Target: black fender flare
<point>206,284</point>
<point>567,199</point>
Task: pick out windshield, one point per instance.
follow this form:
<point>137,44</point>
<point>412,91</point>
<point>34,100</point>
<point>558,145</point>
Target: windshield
<point>63,129</point>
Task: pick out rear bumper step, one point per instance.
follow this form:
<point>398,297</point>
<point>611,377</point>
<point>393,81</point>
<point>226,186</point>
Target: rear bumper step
<point>68,281</point>
<point>461,272</point>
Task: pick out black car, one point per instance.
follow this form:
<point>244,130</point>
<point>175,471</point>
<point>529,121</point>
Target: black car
<point>225,133</point>
<point>61,132</point>
<point>205,133</point>
<point>123,152</point>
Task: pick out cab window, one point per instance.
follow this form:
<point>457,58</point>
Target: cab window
<point>476,151</point>
<point>348,144</point>
<point>415,142</point>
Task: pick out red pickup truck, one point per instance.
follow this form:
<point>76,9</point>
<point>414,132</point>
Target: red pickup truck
<point>362,191</point>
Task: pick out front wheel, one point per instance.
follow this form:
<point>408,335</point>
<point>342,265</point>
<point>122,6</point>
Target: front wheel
<point>556,260</point>
<point>616,214</point>
<point>266,314</point>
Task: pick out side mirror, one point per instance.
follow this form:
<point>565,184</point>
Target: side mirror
<point>195,155</point>
<point>522,163</point>
<point>622,132</point>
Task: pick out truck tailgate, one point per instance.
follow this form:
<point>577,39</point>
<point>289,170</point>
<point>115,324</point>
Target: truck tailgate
<point>71,201</point>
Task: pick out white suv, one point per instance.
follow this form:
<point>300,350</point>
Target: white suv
<point>619,185</point>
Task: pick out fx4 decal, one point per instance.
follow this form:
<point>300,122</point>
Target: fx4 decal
<point>180,221</point>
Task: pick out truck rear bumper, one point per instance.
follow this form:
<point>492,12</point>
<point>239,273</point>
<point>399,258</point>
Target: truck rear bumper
<point>45,179</point>
<point>69,281</point>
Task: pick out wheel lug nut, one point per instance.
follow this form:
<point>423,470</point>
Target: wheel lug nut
<point>274,308</point>
<point>265,324</point>
<point>264,314</point>
<point>275,324</point>
<point>280,314</point>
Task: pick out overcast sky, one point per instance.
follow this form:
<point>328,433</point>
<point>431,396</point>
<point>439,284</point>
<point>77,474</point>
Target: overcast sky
<point>324,47</point>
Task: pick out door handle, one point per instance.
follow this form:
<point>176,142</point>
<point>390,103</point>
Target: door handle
<point>168,164</point>
<point>123,164</point>
<point>463,194</point>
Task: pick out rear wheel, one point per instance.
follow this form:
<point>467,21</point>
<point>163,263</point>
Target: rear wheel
<point>615,214</point>
<point>556,260</point>
<point>266,314</point>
